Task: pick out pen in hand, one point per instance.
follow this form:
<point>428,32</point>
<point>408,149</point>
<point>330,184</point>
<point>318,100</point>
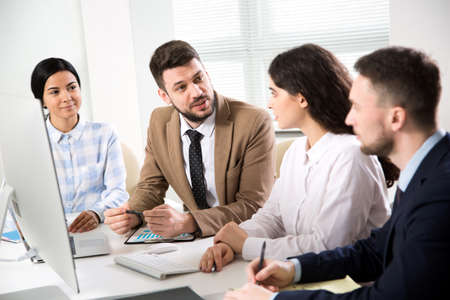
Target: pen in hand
<point>261,260</point>
<point>139,214</point>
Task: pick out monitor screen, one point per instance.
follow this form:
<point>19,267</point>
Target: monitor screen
<point>31,184</point>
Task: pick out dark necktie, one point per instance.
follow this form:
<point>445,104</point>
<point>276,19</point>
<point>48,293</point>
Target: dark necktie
<point>196,169</point>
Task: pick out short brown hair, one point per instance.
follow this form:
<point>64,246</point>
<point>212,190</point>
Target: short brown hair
<point>170,55</point>
<point>405,77</point>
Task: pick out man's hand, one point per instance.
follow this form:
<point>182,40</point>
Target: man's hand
<point>273,275</point>
<point>119,221</point>
<point>249,291</point>
<point>87,220</point>
<point>218,255</point>
<point>167,222</point>
<point>232,235</point>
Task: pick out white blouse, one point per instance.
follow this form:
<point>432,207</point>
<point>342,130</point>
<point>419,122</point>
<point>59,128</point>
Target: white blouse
<point>329,196</point>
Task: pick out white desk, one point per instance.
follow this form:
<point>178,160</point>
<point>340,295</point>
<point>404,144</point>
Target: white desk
<point>101,277</point>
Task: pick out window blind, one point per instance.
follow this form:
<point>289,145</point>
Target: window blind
<point>237,39</point>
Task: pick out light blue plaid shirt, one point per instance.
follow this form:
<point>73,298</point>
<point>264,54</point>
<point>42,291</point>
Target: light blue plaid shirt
<point>89,165</point>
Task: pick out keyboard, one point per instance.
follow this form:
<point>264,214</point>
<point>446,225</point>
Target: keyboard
<point>153,265</point>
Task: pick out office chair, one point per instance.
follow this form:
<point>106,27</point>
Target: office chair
<point>281,149</point>
<point>132,167</point>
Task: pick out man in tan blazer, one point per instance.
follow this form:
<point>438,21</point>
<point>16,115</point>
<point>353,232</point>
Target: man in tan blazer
<point>235,173</point>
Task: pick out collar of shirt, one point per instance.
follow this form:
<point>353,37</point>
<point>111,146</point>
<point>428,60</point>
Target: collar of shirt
<point>206,128</point>
<point>414,162</point>
<point>56,136</point>
<point>316,152</point>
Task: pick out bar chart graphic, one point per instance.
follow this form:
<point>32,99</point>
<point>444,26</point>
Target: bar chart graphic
<point>145,235</point>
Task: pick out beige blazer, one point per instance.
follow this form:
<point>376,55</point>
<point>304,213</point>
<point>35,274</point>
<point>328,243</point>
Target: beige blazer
<point>243,161</point>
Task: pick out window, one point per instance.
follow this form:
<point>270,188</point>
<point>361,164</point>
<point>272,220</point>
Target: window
<point>237,39</point>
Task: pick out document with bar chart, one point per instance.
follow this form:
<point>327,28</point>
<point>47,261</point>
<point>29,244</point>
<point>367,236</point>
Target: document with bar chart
<point>144,235</point>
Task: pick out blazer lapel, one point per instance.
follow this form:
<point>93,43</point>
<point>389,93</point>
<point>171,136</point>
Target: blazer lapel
<point>426,167</point>
<point>399,206</point>
<point>222,146</point>
<point>183,189</point>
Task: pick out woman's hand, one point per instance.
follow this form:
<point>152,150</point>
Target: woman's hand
<point>216,256</point>
<point>87,220</point>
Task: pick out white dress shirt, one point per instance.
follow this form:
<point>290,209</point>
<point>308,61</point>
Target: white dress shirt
<point>207,143</point>
<point>413,164</point>
<point>328,196</point>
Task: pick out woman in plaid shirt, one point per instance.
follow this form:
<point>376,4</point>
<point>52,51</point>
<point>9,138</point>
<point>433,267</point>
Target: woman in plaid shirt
<point>87,155</point>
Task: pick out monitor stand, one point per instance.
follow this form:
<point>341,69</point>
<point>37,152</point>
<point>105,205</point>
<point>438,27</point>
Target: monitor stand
<point>6,197</point>
<point>6,194</point>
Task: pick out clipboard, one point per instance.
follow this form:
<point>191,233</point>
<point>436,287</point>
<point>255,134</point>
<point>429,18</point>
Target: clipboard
<point>143,235</point>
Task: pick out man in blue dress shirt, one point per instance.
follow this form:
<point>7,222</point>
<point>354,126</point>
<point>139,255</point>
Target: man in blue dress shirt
<point>394,111</point>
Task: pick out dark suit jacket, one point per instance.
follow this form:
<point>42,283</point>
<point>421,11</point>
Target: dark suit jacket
<point>244,166</point>
<point>409,257</point>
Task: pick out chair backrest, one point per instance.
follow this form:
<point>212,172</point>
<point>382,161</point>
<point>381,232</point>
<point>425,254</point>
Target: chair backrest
<point>281,149</point>
<point>132,167</point>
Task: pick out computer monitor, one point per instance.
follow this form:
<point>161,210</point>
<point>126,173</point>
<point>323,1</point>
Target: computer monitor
<point>32,186</point>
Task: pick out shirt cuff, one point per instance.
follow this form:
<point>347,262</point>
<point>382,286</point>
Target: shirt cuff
<point>252,248</point>
<point>298,269</point>
<point>99,214</point>
<point>274,296</point>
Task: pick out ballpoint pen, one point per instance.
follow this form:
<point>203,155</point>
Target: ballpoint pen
<point>261,258</point>
<point>139,214</point>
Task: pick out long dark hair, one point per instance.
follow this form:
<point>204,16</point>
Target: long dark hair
<point>323,80</point>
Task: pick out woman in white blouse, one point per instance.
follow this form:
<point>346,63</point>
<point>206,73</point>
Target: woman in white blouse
<point>329,193</point>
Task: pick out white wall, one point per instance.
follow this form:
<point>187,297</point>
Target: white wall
<point>31,30</point>
<point>111,65</point>
<point>425,25</point>
<point>152,25</point>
